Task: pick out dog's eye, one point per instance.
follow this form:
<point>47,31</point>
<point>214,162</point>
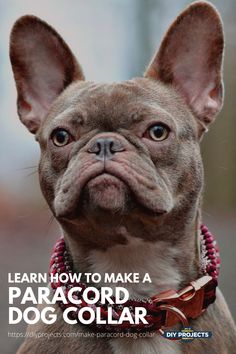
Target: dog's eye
<point>158,132</point>
<point>60,137</point>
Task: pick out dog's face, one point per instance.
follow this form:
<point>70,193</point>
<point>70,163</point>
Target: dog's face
<point>126,149</point>
<point>118,147</point>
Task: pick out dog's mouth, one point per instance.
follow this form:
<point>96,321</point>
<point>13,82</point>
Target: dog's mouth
<point>106,192</point>
<point>116,188</point>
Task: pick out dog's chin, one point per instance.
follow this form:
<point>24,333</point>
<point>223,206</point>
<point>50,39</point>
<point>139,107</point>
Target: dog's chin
<point>105,193</point>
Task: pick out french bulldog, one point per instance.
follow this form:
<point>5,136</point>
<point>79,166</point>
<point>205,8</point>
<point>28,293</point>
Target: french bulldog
<point>121,168</point>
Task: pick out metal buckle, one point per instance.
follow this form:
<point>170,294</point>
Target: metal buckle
<point>179,315</point>
<point>184,304</point>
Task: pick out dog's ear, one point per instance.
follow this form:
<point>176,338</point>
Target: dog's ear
<point>190,59</point>
<point>43,66</point>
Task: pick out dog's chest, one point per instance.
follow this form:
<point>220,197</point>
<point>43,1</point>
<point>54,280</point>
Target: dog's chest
<point>139,257</point>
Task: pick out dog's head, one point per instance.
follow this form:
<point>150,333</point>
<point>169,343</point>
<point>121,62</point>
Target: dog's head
<point>123,148</point>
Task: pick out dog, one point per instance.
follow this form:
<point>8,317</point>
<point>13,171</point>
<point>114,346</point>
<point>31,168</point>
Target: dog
<point>121,168</point>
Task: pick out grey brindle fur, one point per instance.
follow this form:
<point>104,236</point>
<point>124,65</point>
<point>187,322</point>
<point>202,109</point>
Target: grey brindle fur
<point>125,202</point>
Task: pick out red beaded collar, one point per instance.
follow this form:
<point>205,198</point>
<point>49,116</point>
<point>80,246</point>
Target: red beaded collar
<point>164,309</point>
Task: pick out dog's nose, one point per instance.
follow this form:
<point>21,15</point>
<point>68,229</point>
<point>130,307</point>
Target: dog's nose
<point>105,148</point>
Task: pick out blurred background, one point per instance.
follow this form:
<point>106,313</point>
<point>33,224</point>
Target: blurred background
<point>113,40</point>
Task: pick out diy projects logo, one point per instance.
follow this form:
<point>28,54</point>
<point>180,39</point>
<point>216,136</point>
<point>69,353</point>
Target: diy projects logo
<point>187,334</point>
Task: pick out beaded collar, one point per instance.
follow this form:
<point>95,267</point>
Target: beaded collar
<point>164,309</point>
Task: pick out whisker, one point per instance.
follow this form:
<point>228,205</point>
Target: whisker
<point>25,168</point>
<point>31,174</point>
<point>207,214</point>
<point>223,168</point>
<point>44,208</point>
<point>49,224</point>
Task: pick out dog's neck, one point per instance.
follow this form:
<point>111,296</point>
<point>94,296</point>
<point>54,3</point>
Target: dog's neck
<point>168,252</point>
